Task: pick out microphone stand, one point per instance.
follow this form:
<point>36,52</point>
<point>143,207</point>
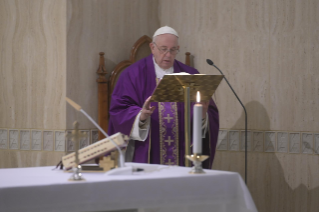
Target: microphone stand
<point>121,155</point>
<point>121,160</point>
<point>212,64</point>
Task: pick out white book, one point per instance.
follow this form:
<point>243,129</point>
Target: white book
<point>95,150</point>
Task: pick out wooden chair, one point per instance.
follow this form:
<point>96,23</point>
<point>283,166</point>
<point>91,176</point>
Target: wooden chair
<point>106,85</point>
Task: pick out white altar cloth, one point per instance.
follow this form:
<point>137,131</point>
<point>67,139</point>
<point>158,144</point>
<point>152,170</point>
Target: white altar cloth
<point>158,188</point>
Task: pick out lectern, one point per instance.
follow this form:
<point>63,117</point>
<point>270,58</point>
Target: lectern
<point>182,87</point>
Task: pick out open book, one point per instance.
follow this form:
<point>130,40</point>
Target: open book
<point>171,87</point>
<point>95,150</point>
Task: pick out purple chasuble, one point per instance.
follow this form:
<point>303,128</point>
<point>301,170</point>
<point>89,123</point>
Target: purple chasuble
<point>165,141</point>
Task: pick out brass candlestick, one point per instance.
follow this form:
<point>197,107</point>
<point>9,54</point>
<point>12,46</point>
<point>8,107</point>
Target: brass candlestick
<point>76,136</point>
<point>197,161</point>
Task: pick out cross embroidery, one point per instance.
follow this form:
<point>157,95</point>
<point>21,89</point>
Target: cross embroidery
<point>169,140</point>
<point>168,118</point>
<point>169,162</point>
<point>107,163</point>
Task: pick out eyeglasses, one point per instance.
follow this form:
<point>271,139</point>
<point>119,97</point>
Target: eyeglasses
<point>164,50</point>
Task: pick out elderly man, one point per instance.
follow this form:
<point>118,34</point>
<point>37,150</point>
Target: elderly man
<point>157,129</point>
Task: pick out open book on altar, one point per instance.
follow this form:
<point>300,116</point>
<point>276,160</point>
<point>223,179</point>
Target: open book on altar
<point>95,150</point>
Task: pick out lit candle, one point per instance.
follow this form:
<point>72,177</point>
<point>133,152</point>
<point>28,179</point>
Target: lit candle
<point>197,126</point>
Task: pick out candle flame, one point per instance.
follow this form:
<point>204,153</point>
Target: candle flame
<point>198,96</point>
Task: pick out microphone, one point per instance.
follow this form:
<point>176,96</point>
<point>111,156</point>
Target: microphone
<point>212,64</point>
<point>78,108</point>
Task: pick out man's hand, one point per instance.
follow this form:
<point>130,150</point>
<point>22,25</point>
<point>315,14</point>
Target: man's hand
<point>147,110</point>
<point>205,108</point>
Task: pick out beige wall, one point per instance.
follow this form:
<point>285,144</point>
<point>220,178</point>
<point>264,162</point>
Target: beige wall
<point>49,50</point>
<point>269,52</point>
<point>33,80</point>
<point>101,26</point>
<point>33,64</point>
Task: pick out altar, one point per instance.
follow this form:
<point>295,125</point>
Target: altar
<point>151,188</point>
